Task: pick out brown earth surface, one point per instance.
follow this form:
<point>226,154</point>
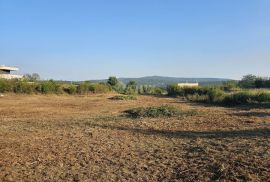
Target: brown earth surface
<point>87,138</point>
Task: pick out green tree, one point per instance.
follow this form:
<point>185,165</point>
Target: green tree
<point>32,77</point>
<point>248,81</point>
<point>113,81</point>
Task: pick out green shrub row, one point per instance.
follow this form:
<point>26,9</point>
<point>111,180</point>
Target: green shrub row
<point>52,87</point>
<point>219,95</point>
<point>216,96</point>
<point>246,97</point>
<point>175,90</point>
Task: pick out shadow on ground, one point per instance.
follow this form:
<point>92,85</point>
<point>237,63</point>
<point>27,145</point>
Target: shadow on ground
<point>259,132</point>
<point>253,114</point>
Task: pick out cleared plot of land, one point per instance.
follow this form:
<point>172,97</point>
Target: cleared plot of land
<point>87,138</point>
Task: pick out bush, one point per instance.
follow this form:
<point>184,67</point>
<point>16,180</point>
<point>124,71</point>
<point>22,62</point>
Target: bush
<point>153,112</point>
<point>70,89</point>
<point>215,95</point>
<point>242,98</point>
<point>100,88</point>
<point>124,97</point>
<point>131,88</point>
<point>50,87</point>
<point>261,97</point>
<point>24,87</point>
<point>175,90</point>
<point>6,86</point>
<point>83,88</point>
<point>237,99</point>
<point>151,90</point>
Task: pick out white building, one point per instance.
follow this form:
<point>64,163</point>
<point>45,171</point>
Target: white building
<point>5,72</point>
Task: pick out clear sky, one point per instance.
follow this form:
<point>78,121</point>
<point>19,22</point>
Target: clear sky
<point>93,39</point>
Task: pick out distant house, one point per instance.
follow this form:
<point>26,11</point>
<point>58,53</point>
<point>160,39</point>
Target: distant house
<point>188,84</point>
<point>5,72</point>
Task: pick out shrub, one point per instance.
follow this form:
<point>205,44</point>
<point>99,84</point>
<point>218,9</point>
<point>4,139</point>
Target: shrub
<point>50,87</point>
<point>6,86</point>
<point>246,98</point>
<point>83,88</point>
<point>70,89</point>
<point>151,90</point>
<point>131,88</point>
<point>24,87</point>
<point>124,97</point>
<point>230,86</point>
<point>113,81</point>
<point>153,112</point>
<point>261,97</point>
<point>100,88</point>
<point>215,95</point>
<point>175,90</point>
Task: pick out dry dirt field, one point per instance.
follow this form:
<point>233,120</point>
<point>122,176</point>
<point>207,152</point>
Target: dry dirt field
<point>87,138</point>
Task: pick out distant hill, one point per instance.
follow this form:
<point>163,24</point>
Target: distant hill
<point>164,81</point>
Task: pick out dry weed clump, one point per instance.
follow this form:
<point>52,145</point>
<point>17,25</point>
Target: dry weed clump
<point>156,112</point>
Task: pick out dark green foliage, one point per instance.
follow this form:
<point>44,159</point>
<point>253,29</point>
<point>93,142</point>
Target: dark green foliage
<point>124,97</point>
<point>153,112</point>
<point>259,83</point>
<point>248,81</point>
<point>252,81</point>
<point>175,90</point>
<point>116,84</point>
<point>237,99</point>
<point>113,81</point>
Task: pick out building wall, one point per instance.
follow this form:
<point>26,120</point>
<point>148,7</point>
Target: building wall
<point>8,76</point>
<point>4,71</point>
<point>188,84</point>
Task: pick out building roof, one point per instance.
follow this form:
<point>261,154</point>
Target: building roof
<point>7,68</point>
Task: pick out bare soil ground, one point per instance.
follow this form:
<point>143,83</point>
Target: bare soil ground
<point>87,138</point>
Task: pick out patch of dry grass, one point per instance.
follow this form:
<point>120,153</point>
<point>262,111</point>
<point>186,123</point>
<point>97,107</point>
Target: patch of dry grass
<point>86,138</point>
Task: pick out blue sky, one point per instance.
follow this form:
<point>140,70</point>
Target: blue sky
<point>87,39</point>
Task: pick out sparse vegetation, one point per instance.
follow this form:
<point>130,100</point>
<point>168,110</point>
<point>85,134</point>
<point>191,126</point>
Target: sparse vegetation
<point>73,137</point>
<point>153,112</point>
